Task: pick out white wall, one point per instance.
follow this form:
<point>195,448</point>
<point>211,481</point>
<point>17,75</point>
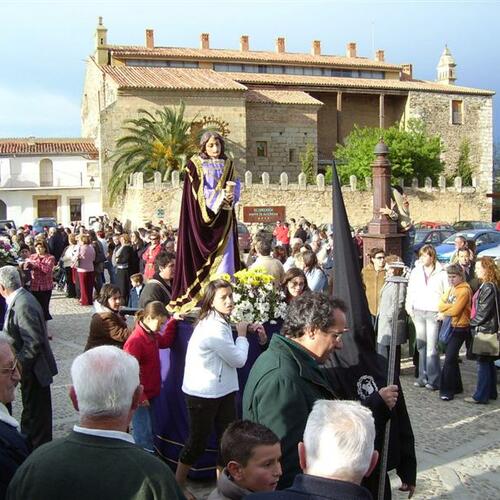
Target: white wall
<point>22,208</point>
<point>20,186</point>
<point>68,171</point>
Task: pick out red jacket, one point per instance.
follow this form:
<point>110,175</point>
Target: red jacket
<point>145,346</point>
<point>149,257</point>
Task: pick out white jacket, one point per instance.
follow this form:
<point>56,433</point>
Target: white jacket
<point>422,295</point>
<point>212,358</point>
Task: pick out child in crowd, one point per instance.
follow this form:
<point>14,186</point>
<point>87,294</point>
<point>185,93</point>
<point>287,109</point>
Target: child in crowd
<point>144,345</point>
<point>137,282</point>
<point>251,456</point>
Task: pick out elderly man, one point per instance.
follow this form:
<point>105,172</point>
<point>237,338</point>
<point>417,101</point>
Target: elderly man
<point>460,243</point>
<point>286,379</point>
<point>13,446</point>
<point>98,459</point>
<point>335,455</point>
<point>25,324</point>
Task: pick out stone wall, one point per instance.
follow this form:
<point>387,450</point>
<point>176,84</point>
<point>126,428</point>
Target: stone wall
<point>283,127</point>
<point>477,127</point>
<point>313,202</point>
<point>228,106</point>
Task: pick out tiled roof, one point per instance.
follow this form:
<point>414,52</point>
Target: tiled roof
<point>27,146</point>
<point>355,83</point>
<point>131,52</point>
<point>132,77</point>
<point>281,97</point>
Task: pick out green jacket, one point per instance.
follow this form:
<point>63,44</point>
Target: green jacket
<point>282,387</point>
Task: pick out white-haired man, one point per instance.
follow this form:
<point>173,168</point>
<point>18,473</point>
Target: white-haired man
<point>25,324</point>
<point>335,455</point>
<point>13,446</point>
<point>98,459</point>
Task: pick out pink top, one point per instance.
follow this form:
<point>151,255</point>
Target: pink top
<point>86,257</point>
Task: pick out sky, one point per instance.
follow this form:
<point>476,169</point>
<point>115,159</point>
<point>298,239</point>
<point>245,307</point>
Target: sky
<point>44,44</point>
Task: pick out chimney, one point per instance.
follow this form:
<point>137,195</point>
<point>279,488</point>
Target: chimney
<point>379,56</point>
<point>205,40</point>
<point>280,44</point>
<point>244,43</point>
<point>150,39</point>
<point>316,48</point>
<point>351,49</point>
<point>407,72</point>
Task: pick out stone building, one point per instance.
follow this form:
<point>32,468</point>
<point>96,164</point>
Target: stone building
<point>49,178</point>
<point>275,104</point>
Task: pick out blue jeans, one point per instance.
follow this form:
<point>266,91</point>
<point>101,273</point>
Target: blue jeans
<point>426,330</point>
<point>142,427</point>
<point>486,387</point>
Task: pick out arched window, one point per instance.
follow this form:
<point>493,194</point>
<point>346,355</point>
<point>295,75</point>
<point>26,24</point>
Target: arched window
<point>46,173</point>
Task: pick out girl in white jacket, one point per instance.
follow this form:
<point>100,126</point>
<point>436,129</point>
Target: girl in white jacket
<point>210,376</point>
<point>428,281</point>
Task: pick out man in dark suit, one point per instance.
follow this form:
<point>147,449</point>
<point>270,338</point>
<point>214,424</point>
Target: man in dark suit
<point>98,459</point>
<point>25,324</point>
<point>336,453</point>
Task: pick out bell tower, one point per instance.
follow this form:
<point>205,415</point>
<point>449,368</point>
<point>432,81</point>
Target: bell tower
<point>446,68</point>
<point>101,44</point>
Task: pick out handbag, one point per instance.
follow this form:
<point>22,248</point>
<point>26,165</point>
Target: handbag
<point>487,343</point>
<point>446,330</point>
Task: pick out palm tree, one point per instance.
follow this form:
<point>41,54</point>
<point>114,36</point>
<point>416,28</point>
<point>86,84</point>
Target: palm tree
<point>158,142</point>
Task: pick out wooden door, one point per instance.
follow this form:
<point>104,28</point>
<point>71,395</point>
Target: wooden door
<point>47,208</point>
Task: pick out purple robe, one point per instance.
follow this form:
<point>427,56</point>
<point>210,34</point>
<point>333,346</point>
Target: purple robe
<point>208,234</point>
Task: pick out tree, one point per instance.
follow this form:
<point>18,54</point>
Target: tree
<point>307,163</point>
<point>158,142</point>
<point>464,165</point>
<point>412,152</point>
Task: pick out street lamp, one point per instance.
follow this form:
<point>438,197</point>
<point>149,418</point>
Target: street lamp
<point>92,182</point>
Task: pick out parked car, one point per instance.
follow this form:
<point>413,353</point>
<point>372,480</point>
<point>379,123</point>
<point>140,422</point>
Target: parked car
<point>465,225</point>
<point>40,222</point>
<point>493,252</point>
<point>244,238</point>
<point>426,224</point>
<point>6,225</point>
<point>484,239</point>
<point>432,237</point>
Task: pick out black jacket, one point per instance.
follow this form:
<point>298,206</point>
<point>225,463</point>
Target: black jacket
<point>155,289</point>
<point>486,318</point>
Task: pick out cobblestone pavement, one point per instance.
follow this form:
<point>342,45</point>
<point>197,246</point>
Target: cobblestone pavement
<point>458,444</point>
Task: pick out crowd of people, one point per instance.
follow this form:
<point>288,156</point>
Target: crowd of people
<point>447,306</point>
<point>296,437</point>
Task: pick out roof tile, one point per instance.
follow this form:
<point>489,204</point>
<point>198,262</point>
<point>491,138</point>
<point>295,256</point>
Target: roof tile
<point>281,97</point>
<point>46,146</point>
<point>134,77</point>
<point>355,83</point>
<point>130,52</point>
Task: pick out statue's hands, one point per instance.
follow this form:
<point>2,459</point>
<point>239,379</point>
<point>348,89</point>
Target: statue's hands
<point>228,199</point>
